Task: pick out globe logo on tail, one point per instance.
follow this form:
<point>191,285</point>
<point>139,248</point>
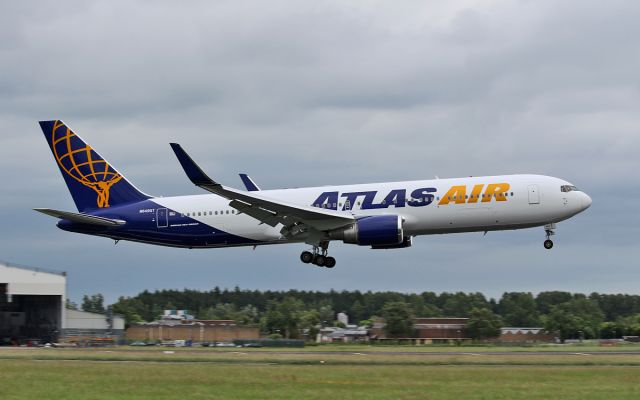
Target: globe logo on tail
<point>82,163</point>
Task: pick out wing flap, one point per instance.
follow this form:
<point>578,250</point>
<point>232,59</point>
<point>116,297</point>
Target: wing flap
<point>258,213</point>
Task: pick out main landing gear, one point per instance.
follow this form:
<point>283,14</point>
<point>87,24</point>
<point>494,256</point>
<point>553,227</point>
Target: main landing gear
<point>549,230</point>
<point>319,256</point>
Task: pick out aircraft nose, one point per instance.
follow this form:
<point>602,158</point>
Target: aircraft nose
<point>586,201</point>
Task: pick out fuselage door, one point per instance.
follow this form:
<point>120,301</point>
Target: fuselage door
<point>534,194</point>
<point>162,217</point>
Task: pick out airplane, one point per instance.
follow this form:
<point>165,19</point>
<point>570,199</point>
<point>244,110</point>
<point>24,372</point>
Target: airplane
<point>377,215</point>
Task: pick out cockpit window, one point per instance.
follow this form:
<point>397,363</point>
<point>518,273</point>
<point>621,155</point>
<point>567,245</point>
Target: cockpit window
<point>567,188</point>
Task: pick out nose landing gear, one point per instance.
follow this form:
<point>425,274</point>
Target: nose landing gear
<point>549,230</point>
<point>319,256</point>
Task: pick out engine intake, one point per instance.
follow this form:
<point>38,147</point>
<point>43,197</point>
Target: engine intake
<point>377,230</point>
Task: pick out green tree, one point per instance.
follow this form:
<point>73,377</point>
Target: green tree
<point>367,323</point>
<point>327,315</point>
<point>518,309</point>
<point>546,300</point>
<point>310,320</point>
<point>483,324</point>
<point>70,305</point>
<point>283,317</point>
<point>128,311</point>
<point>460,304</point>
<point>398,318</point>
<point>629,326</point>
<point>219,311</point>
<point>93,303</point>
<point>358,311</point>
<point>575,319</point>
<point>248,315</point>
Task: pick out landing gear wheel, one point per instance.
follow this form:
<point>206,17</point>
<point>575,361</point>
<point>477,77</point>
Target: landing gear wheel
<point>306,257</point>
<point>330,262</point>
<point>320,260</point>
<point>549,230</point>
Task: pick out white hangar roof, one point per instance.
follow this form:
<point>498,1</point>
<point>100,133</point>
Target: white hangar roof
<point>22,280</point>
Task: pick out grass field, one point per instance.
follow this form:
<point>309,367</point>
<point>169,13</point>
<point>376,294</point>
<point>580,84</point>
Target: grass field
<point>188,374</point>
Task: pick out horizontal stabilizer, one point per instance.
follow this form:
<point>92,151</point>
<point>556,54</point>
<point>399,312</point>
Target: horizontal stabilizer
<point>81,218</point>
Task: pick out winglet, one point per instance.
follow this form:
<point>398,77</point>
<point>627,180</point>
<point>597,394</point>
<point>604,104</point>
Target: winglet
<point>193,171</point>
<point>249,183</point>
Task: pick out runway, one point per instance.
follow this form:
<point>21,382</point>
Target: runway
<point>320,353</point>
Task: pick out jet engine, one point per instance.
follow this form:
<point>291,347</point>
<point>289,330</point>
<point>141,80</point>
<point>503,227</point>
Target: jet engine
<point>376,230</point>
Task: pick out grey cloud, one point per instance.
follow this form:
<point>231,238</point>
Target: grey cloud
<point>304,94</point>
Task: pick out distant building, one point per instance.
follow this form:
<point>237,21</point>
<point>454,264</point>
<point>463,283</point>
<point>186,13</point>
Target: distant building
<point>31,304</point>
<point>526,335</point>
<point>92,329</point>
<point>193,330</point>
<point>177,315</point>
<point>32,311</point>
<point>343,318</point>
<point>441,329</point>
<point>350,334</point>
<point>427,331</point>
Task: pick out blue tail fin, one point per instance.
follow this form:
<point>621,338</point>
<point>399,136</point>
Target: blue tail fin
<point>92,181</point>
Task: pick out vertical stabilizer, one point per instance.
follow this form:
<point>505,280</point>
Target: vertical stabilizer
<point>92,181</point>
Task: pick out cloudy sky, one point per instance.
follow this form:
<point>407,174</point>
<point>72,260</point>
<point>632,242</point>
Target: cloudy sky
<point>309,93</point>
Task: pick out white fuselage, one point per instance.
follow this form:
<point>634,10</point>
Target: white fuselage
<point>426,207</point>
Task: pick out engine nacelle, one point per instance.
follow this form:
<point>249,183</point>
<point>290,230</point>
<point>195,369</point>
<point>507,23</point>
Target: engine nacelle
<point>407,242</point>
<point>377,230</point>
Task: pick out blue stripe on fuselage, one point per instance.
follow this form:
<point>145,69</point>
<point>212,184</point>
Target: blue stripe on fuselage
<point>142,226</point>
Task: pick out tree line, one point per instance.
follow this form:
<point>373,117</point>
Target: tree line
<point>573,315</point>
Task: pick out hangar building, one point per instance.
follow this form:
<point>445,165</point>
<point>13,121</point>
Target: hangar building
<point>32,310</point>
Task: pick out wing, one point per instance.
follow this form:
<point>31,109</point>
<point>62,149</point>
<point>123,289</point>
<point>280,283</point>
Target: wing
<point>295,218</point>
